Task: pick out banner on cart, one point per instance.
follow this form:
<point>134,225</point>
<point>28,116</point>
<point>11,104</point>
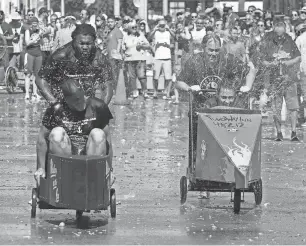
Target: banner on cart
<point>228,142</point>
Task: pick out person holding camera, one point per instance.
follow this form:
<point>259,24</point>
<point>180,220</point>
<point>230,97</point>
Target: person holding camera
<point>33,56</point>
<point>162,43</point>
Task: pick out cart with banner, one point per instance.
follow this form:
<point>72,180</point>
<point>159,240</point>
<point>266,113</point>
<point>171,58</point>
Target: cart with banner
<point>225,153</point>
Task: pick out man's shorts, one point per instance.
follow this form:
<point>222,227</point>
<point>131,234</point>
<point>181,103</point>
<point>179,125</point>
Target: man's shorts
<point>303,83</point>
<point>32,64</point>
<point>291,99</point>
<point>79,142</point>
<point>166,66</point>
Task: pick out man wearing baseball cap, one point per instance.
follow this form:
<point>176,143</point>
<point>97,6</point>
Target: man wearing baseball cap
<point>47,34</point>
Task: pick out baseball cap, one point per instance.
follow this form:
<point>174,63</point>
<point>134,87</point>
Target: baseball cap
<point>303,9</point>
<point>43,10</point>
<point>15,16</point>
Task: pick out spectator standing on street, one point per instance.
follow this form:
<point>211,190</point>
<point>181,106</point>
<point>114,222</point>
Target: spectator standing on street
<point>162,60</point>
<point>282,57</point>
<point>234,46</point>
<point>34,56</point>
<point>303,14</point>
<point>17,42</point>
<point>7,32</point>
<point>301,44</point>
<point>114,44</point>
<point>46,33</point>
<point>102,32</point>
<point>134,46</point>
<point>197,36</point>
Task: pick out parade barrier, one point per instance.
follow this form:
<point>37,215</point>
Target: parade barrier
<point>121,97</point>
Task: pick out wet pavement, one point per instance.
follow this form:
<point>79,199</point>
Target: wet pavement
<point>150,147</point>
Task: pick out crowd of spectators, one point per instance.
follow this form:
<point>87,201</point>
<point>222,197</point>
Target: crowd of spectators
<point>161,48</point>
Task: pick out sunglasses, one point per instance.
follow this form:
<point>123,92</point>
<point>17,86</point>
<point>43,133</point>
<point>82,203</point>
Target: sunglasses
<point>162,26</point>
<point>261,25</point>
<point>194,17</point>
<point>213,50</point>
<point>134,27</point>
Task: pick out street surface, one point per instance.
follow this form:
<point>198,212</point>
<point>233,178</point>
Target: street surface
<point>150,147</point>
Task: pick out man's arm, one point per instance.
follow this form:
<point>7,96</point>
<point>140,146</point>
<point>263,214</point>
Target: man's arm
<point>109,140</point>
<point>182,86</point>
<point>109,92</point>
<point>250,77</point>
<point>119,46</point>
<point>152,33</point>
<point>45,90</point>
<point>292,62</point>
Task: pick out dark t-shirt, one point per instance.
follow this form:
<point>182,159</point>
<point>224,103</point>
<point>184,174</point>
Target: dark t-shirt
<point>63,65</point>
<point>34,48</point>
<point>7,31</point>
<point>95,109</point>
<point>271,47</point>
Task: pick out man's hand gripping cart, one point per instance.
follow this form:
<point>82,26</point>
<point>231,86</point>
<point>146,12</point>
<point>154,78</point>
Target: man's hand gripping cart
<point>224,152</point>
<point>77,182</point>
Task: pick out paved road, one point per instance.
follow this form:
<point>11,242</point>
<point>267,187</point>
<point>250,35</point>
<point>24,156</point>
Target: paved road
<point>150,140</point>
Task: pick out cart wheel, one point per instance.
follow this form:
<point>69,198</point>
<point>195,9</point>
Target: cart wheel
<point>78,214</point>
<point>258,192</point>
<point>113,203</point>
<point>183,189</point>
<point>34,203</point>
<point>11,79</point>
<point>237,201</point>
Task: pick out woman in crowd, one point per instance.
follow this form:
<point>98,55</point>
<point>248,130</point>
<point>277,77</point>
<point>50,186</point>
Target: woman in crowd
<point>33,57</point>
<point>134,48</point>
<point>269,25</point>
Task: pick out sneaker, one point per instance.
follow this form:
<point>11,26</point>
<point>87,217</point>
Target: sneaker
<point>294,137</point>
<point>27,97</point>
<point>303,125</point>
<point>279,137</point>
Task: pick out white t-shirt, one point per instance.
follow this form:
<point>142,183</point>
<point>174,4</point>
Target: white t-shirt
<point>162,45</point>
<point>198,36</point>
<point>301,44</point>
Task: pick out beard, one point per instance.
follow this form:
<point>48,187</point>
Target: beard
<point>212,59</point>
<point>84,56</point>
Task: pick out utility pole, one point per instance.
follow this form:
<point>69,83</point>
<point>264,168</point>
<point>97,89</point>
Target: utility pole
<point>116,7</point>
<point>241,5</point>
<point>63,7</point>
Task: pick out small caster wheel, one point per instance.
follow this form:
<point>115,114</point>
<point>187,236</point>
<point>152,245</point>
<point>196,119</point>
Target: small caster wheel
<point>183,189</point>
<point>78,214</point>
<point>258,191</point>
<point>237,201</point>
<point>34,203</point>
<point>113,203</point>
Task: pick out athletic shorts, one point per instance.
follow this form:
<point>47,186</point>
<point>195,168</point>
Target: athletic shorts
<point>291,99</point>
<point>164,65</point>
<point>32,64</point>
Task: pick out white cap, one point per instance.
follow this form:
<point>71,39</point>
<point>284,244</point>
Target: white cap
<point>303,9</point>
<point>15,16</point>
